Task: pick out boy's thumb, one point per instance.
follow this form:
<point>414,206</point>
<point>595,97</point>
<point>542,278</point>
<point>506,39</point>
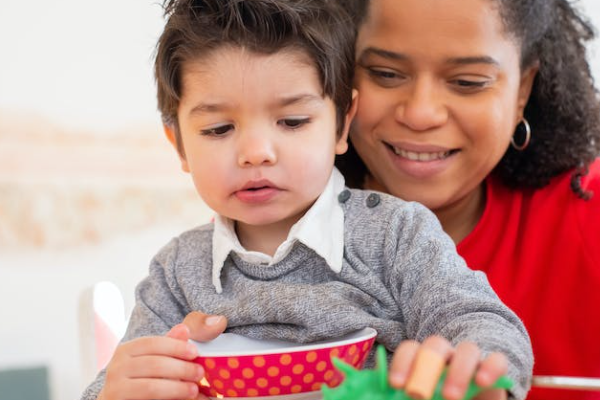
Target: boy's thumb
<point>203,327</point>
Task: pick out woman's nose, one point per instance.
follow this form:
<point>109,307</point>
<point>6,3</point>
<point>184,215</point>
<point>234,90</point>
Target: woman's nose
<point>422,107</point>
<point>255,149</point>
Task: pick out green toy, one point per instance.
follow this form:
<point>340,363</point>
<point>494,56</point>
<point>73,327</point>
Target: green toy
<point>373,384</point>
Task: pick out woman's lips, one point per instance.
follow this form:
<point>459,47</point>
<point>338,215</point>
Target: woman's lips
<point>420,162</point>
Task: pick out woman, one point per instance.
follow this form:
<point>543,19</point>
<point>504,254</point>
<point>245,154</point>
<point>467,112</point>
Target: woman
<point>485,112</point>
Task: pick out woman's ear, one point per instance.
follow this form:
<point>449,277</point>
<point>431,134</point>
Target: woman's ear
<point>342,143</point>
<point>172,136</point>
<point>525,86</point>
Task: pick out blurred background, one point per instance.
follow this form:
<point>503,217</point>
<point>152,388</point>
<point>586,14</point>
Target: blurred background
<point>90,188</point>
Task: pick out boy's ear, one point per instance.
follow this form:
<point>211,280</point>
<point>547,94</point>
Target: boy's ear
<point>342,144</point>
<point>171,135</point>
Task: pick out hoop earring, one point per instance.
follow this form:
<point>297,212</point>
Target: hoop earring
<point>523,146</point>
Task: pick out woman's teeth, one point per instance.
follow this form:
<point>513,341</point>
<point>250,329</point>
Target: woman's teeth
<point>413,156</point>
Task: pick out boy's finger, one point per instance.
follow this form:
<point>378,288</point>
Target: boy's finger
<point>180,332</point>
<point>427,367</point>
<point>161,367</point>
<point>491,368</point>
<point>204,327</point>
<point>160,346</point>
<point>461,370</point>
<point>402,362</point>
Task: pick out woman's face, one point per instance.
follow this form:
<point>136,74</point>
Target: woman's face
<point>440,95</point>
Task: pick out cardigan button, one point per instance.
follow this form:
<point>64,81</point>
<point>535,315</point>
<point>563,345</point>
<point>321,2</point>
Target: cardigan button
<point>373,200</point>
<point>344,196</point>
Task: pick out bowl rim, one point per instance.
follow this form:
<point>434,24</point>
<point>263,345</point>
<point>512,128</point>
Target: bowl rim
<point>359,335</point>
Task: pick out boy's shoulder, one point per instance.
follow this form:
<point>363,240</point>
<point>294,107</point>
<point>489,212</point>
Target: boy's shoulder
<point>193,244</point>
<point>372,203</point>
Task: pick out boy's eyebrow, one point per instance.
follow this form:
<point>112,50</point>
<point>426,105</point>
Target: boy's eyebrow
<point>299,98</point>
<point>203,108</point>
<point>394,56</point>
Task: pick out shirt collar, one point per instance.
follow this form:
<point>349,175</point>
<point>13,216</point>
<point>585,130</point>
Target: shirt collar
<point>321,229</point>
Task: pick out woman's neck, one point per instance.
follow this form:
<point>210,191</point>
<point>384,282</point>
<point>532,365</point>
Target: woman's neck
<point>460,218</point>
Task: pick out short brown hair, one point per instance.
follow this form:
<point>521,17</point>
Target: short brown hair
<point>320,28</point>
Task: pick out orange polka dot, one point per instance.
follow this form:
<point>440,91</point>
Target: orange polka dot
<point>355,360</point>
<point>218,384</point>
<point>239,384</point>
<point>213,392</point>
<point>285,359</point>
<point>316,386</point>
<point>311,356</point>
<point>352,349</point>
<point>262,382</point>
<point>365,346</point>
<point>231,393</point>
<point>328,375</point>
<point>274,391</point>
<point>258,361</point>
<point>298,368</point>
<point>210,363</point>
<point>273,371</point>
<point>334,382</point>
<point>224,374</point>
<point>321,365</point>
<point>334,353</point>
<point>285,380</point>
<point>296,389</point>
<point>233,363</point>
<point>248,373</point>
<point>252,392</point>
<point>308,378</point>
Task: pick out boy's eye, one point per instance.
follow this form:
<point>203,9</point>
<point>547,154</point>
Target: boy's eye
<point>293,123</point>
<point>217,130</point>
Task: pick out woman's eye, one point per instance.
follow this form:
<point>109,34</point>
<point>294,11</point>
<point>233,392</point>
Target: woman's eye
<point>469,85</point>
<point>293,123</point>
<point>385,77</point>
<point>217,130</point>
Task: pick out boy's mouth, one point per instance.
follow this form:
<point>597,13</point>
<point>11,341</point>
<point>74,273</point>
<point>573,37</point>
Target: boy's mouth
<point>255,192</point>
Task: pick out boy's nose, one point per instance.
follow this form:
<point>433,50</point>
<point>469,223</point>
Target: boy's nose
<point>422,107</point>
<point>256,149</point>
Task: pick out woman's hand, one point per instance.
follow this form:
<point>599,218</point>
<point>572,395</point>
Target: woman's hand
<point>154,367</point>
<point>416,366</point>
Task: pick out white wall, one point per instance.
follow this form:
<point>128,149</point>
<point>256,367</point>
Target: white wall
<point>86,64</point>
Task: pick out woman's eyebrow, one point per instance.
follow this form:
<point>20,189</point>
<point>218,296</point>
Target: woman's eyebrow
<point>474,60</point>
<point>391,55</point>
<point>396,56</point>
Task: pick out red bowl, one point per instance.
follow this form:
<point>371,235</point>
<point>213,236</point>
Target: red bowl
<point>237,366</point>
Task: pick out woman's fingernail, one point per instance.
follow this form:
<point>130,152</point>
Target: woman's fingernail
<point>213,320</point>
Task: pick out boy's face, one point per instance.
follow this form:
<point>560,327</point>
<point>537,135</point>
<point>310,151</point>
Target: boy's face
<point>258,136</point>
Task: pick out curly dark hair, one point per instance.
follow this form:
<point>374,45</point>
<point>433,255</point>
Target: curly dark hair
<point>564,107</point>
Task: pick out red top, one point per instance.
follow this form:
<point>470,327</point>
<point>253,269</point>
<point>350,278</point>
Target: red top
<point>541,252</point>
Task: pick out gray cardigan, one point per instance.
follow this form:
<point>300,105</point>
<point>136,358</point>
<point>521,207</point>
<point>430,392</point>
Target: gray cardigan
<point>401,275</point>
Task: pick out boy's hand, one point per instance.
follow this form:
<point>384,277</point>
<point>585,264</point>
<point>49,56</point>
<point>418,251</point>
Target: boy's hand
<point>154,367</point>
<point>463,362</point>
<point>204,327</point>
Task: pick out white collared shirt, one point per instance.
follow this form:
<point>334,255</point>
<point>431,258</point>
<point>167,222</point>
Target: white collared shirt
<point>320,229</point>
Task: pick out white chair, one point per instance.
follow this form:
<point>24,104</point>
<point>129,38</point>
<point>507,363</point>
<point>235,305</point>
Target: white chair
<point>102,324</point>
